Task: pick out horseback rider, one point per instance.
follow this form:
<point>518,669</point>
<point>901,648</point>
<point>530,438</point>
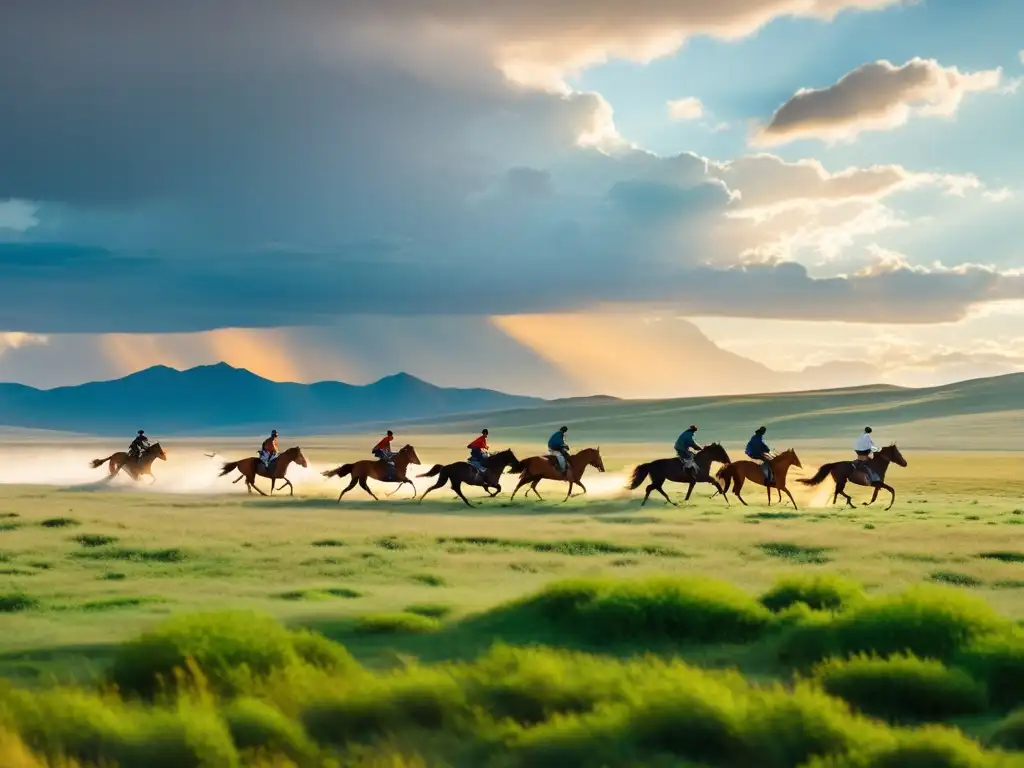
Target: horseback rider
<point>269,449</point>
<point>478,452</point>
<point>138,446</point>
<point>864,447</point>
<point>758,450</point>
<point>558,448</point>
<point>382,450</point>
<point>685,446</point>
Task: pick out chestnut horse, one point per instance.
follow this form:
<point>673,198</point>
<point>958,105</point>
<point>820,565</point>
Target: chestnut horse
<point>740,471</point>
<point>135,468</point>
<point>844,472</point>
<point>537,468</point>
<point>674,470</point>
<point>251,466</point>
<point>377,469</point>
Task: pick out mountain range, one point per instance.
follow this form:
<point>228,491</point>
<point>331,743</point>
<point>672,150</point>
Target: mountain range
<point>221,399</point>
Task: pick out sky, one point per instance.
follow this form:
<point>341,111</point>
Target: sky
<point>559,198</point>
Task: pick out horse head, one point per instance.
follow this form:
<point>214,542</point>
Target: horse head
<point>156,451</point>
<point>790,458</point>
<point>295,455</point>
<point>410,454</point>
<point>892,453</point>
<point>715,452</point>
<point>592,457</point>
<point>505,458</point>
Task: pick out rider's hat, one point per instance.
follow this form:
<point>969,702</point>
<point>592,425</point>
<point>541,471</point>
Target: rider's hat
<point>141,432</point>
<point>273,432</point>
<point>762,430</point>
<point>867,429</point>
<point>483,431</point>
<point>564,429</point>
<point>390,434</point>
<point>693,427</point>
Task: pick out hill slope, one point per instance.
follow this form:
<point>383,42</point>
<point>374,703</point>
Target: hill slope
<point>970,414</point>
<point>219,399</point>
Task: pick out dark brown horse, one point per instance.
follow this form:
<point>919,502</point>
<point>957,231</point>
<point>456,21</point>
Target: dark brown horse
<point>844,472</point>
<point>135,468</point>
<point>673,469</point>
<point>537,468</point>
<point>740,471</point>
<point>463,473</point>
<point>251,466</point>
<point>377,469</point>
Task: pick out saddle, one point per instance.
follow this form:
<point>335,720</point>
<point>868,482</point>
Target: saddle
<point>270,467</point>
<point>859,465</point>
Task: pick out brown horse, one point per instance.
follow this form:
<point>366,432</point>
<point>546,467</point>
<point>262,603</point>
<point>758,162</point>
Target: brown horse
<point>844,472</point>
<point>674,470</point>
<point>377,469</point>
<point>251,466</point>
<point>740,471</point>
<point>462,472</point>
<point>537,468</point>
<point>135,468</point>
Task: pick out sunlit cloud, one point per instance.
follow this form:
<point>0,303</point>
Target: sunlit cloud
<point>689,108</point>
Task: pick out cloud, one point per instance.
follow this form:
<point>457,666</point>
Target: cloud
<point>874,97</point>
<point>18,215</point>
<point>689,108</point>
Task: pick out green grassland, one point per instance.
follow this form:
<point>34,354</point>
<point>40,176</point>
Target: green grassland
<point>590,633</point>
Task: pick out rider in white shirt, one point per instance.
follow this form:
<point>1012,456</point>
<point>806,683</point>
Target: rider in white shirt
<point>864,448</point>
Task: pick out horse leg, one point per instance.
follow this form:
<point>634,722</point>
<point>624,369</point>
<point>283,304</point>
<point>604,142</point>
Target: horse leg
<point>457,487</point>
<point>569,492</point>
<point>891,490</point>
<point>522,481</point>
<point>737,487</point>
<point>273,482</point>
<point>719,491</point>
<point>533,487</point>
<point>581,485</point>
<point>874,496</point>
<point>410,482</point>
<point>291,488</point>
<point>660,489</point>
<point>252,484</point>
<point>351,485</point>
<point>440,482</point>
<point>365,487</point>
<point>790,497</point>
<point>689,491</point>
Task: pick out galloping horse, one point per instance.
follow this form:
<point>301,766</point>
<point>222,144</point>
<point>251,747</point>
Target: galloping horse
<point>251,466</point>
<point>740,471</point>
<point>674,470</point>
<point>537,468</point>
<point>135,468</point>
<point>844,472</point>
<point>462,472</point>
<point>377,469</point>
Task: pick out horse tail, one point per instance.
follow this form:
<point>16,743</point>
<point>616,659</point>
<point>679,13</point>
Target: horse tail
<point>639,475</point>
<point>823,471</point>
<point>432,472</point>
<point>516,467</point>
<point>341,471</point>
<point>228,467</point>
<point>96,463</point>
<point>725,476</point>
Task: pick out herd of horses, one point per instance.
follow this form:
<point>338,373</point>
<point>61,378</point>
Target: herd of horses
<point>732,475</point>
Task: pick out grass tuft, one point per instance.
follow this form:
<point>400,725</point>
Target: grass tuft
<point>821,592</point>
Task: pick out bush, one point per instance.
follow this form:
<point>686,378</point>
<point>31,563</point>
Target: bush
<point>690,610</point>
<point>94,730</point>
<point>998,661</point>
<point>820,592</point>
<point>396,623</point>
<point>902,687</point>
<point>1009,734</point>
<point>926,748</point>
<point>228,649</point>
<point>928,622</point>
<point>257,726</point>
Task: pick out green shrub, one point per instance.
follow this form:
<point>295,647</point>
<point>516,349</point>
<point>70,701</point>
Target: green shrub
<point>15,602</point>
<point>95,539</point>
<point>396,623</point>
<point>693,610</point>
<point>1009,734</point>
<point>998,661</point>
<point>902,687</point>
<point>255,725</point>
<point>228,649</point>
<point>431,610</point>
<point>820,592</point>
<point>94,730</point>
<point>926,748</point>
<point>928,622</point>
